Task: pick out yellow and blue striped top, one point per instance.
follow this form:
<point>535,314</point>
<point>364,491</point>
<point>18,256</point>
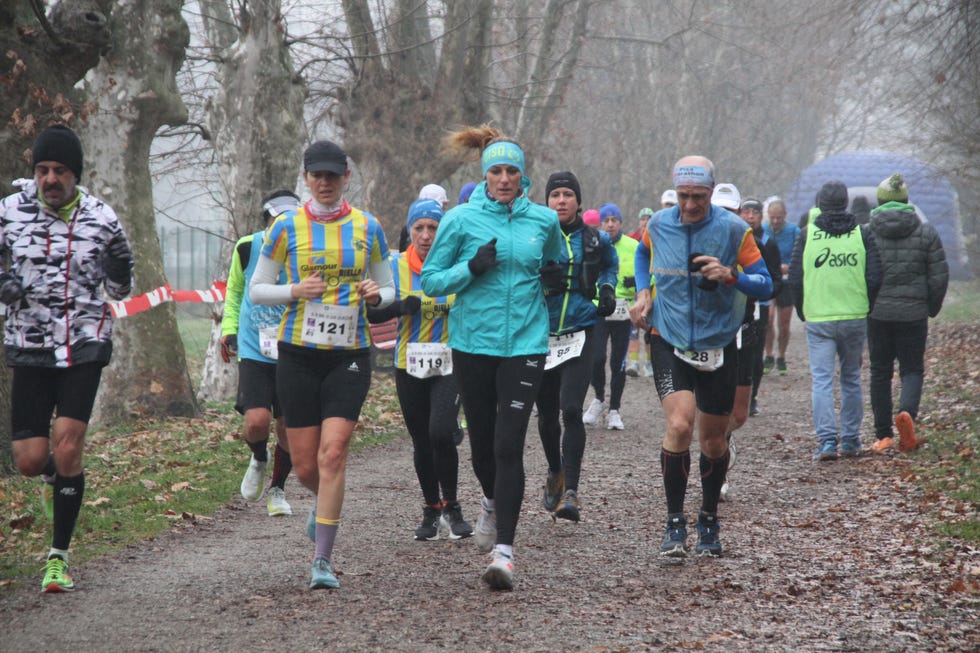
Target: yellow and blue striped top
<point>430,323</point>
<point>340,251</point>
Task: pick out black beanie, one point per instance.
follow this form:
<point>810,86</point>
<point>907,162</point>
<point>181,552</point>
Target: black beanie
<point>832,197</point>
<point>58,143</point>
<point>563,180</point>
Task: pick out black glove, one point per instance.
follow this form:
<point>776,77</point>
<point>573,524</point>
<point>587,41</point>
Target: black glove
<point>229,347</point>
<point>411,305</point>
<point>117,261</point>
<point>11,289</point>
<point>553,278</point>
<point>484,259</point>
<point>629,282</point>
<point>703,284</point>
<point>607,301</point>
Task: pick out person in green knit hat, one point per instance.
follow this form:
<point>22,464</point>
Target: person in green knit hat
<point>914,280</point>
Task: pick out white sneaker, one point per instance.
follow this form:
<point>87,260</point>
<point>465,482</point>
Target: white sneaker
<point>277,503</point>
<point>252,482</point>
<point>633,369</point>
<point>594,412</point>
<point>647,369</point>
<point>499,574</point>
<point>614,422</point>
<point>485,532</point>
<point>726,493</point>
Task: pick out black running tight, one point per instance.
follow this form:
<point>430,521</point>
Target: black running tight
<point>497,397</point>
<point>431,407</point>
<point>563,389</point>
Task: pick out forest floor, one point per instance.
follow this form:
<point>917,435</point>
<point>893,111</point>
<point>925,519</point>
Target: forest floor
<point>833,556</point>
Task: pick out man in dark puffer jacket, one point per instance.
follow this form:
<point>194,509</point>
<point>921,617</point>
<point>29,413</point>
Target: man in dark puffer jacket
<point>913,288</point>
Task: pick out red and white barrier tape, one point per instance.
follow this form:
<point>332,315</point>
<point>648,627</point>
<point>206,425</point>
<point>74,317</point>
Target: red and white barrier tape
<point>146,301</point>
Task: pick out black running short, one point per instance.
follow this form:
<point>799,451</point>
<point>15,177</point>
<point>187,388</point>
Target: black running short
<point>257,386</point>
<point>40,392</point>
<point>314,384</point>
<point>785,297</point>
<point>714,392</point>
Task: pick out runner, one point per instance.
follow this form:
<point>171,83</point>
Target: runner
<point>589,258</point>
<point>490,253</point>
<point>785,235</point>
<point>67,253</point>
<point>336,262</point>
<point>615,328</point>
<point>427,389</point>
<point>248,334</point>
<point>705,264</point>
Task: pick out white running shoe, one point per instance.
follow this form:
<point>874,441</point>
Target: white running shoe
<point>614,422</point>
<point>277,502</point>
<point>252,482</point>
<point>485,532</point>
<point>499,574</point>
<point>647,369</point>
<point>594,412</point>
<point>726,492</point>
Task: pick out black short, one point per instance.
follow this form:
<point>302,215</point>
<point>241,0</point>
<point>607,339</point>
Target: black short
<point>257,386</point>
<point>315,384</point>
<point>785,297</point>
<point>753,338</point>
<point>714,392</point>
<point>40,392</point>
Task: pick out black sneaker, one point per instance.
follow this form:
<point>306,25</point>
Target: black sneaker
<point>753,408</point>
<point>429,528</point>
<point>781,366</point>
<point>708,542</point>
<point>452,523</point>
<point>767,364</point>
<point>675,536</point>
<point>568,507</point>
<point>554,487</point>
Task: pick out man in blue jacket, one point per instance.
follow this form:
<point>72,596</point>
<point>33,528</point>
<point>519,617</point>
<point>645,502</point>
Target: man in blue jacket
<point>706,262</point>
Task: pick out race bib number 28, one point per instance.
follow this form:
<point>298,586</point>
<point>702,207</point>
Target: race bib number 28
<point>708,360</point>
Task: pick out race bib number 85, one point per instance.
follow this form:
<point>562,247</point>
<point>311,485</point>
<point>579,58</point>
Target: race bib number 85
<point>564,347</point>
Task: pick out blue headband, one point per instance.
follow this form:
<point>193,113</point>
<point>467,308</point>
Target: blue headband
<point>693,176</point>
<point>424,208</point>
<point>503,153</point>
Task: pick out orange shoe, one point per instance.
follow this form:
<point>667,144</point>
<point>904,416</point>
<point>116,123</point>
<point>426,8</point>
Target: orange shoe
<point>883,445</point>
<point>906,432</point>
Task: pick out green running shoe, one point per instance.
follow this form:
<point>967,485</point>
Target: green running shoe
<point>56,578</point>
<point>323,576</point>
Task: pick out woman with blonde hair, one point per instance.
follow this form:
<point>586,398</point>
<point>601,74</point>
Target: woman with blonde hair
<point>492,252</point>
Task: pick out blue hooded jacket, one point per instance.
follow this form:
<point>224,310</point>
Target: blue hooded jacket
<point>503,311</point>
<point>571,310</point>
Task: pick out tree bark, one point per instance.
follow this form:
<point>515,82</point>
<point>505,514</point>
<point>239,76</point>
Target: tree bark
<point>258,134</point>
<point>40,66</point>
<point>135,88</point>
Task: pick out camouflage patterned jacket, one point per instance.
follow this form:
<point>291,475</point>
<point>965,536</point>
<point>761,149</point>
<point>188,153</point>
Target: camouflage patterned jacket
<point>64,317</point>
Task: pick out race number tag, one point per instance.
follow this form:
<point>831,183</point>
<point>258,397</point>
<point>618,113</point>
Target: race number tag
<point>268,342</point>
<point>564,347</point>
<point>331,325</point>
<point>427,359</point>
<point>705,361</point>
<point>621,313</point>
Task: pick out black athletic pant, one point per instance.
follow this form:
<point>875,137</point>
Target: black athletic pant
<point>430,407</point>
<point>497,397</point>
<point>618,333</point>
<point>759,348</point>
<point>563,390</point>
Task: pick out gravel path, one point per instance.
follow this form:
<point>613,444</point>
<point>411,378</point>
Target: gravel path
<point>819,557</point>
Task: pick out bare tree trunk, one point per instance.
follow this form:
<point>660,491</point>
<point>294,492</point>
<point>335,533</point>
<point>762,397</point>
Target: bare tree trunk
<point>135,88</point>
<point>258,131</point>
<point>43,61</point>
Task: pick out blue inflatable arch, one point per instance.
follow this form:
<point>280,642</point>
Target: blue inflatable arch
<point>929,191</point>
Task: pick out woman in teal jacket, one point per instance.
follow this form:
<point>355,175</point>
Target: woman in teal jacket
<point>491,253</point>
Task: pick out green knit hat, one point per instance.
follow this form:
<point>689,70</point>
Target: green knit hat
<point>893,189</point>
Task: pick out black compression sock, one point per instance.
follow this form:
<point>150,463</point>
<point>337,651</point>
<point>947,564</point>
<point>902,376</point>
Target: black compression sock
<point>676,467</point>
<point>713,473</point>
<point>282,464</point>
<point>260,450</point>
<point>68,492</point>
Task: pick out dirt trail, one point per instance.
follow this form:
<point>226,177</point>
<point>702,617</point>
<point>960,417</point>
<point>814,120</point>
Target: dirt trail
<point>828,557</point>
